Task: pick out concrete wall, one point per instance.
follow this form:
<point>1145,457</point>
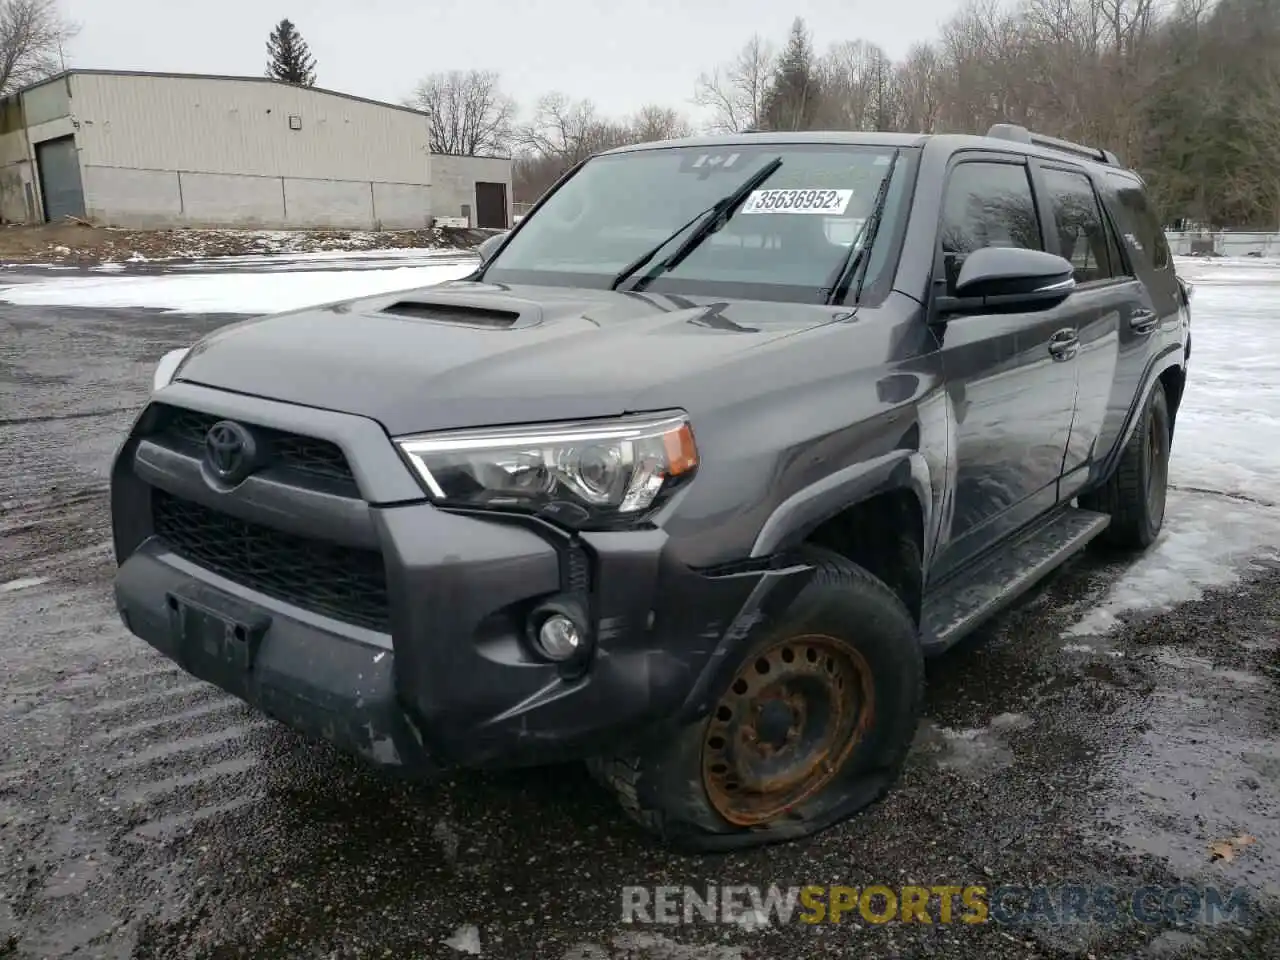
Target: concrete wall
<point>200,151</point>
<point>454,183</point>
<point>1226,243</point>
<point>159,198</point>
<point>17,192</point>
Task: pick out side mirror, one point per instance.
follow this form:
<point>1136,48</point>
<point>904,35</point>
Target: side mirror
<point>490,246</point>
<point>1013,277</point>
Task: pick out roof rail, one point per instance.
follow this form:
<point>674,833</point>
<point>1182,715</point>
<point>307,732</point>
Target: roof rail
<point>1011,131</point>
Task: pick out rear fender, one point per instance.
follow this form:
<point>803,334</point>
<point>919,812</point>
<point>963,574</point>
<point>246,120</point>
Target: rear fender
<point>1172,357</point>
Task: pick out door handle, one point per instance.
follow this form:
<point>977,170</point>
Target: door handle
<point>1064,344</point>
<point>1143,322</point>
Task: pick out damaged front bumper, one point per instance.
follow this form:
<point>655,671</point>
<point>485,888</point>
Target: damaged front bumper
<point>456,681</point>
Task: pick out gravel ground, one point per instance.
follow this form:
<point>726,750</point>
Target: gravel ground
<point>143,814</point>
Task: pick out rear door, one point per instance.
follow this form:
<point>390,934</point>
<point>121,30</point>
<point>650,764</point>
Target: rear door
<point>1011,377</point>
<point>1149,328</point>
<point>1108,307</point>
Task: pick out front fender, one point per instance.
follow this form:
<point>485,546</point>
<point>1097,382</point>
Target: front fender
<point>804,511</point>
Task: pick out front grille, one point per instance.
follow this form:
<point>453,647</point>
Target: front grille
<point>185,430</point>
<point>340,582</point>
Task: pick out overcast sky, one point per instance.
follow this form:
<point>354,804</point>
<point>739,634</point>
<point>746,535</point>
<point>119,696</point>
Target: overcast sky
<point>619,54</point>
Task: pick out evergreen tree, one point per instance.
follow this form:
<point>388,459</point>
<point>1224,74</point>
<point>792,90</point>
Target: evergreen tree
<point>289,58</point>
<point>793,98</point>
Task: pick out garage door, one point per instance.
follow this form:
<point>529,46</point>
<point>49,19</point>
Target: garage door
<point>59,167</point>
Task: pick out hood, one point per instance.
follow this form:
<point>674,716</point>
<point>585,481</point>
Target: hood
<point>471,354</point>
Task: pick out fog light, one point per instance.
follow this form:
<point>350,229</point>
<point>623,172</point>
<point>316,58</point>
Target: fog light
<point>559,637</point>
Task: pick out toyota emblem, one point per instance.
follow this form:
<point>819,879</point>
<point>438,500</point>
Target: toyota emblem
<point>229,451</point>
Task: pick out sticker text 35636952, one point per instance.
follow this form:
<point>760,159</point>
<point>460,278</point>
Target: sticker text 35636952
<point>817,200</point>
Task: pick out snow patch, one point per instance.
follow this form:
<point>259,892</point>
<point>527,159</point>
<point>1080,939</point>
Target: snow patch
<point>1222,511</point>
<point>22,583</point>
<point>466,939</point>
<point>247,293</point>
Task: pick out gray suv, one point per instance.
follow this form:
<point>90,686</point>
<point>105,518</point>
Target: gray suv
<point>685,480</point>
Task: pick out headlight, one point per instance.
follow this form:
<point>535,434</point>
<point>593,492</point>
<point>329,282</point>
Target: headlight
<point>167,368</point>
<point>587,473</point>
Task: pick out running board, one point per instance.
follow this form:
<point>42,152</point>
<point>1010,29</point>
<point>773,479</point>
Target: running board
<point>964,601</point>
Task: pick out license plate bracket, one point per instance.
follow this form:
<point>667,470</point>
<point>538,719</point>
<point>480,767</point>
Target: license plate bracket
<point>214,626</point>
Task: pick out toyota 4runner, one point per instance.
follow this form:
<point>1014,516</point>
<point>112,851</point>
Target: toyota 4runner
<point>684,480</point>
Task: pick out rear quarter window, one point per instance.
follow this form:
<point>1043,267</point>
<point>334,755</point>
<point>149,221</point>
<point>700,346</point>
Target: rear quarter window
<point>1140,226</point>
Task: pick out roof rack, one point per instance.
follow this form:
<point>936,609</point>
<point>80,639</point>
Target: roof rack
<point>1011,131</point>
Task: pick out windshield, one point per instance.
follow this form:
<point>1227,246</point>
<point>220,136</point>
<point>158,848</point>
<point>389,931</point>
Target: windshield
<point>783,242</point>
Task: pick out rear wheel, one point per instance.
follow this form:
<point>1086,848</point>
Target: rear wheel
<point>813,725</point>
<point>1135,494</point>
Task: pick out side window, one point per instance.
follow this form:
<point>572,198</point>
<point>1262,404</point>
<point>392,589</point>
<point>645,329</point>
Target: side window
<point>1082,238</point>
<point>1114,254</point>
<point>1147,239</point>
<point>986,205</point>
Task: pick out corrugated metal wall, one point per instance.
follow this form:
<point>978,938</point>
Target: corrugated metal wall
<point>156,150</point>
<point>165,150</point>
<point>242,127</point>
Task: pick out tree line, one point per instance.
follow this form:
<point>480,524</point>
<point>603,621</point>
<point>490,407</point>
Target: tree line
<point>1185,91</point>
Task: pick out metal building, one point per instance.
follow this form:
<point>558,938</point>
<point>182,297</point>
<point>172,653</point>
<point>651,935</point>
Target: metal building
<point>160,150</point>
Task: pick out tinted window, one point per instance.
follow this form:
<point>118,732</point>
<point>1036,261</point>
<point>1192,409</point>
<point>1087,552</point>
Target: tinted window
<point>1082,239</point>
<point>987,205</point>
<point>1143,232</point>
<point>783,243</point>
<point>1119,267</point>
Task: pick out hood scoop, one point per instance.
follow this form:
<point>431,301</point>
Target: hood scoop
<point>486,312</point>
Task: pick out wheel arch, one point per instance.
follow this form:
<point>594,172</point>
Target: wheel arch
<point>1174,380</point>
<point>1169,371</point>
<point>856,512</point>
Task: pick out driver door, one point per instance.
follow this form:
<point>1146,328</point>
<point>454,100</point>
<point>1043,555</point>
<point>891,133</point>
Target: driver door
<point>1011,376</point>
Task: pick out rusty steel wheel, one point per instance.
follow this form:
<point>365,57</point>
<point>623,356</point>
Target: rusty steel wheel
<point>786,725</point>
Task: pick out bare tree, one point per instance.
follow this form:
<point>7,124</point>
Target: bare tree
<point>734,93</point>
<point>653,122</point>
<point>855,78</point>
<point>468,113</point>
<point>919,86</point>
<point>569,130</point>
<point>32,36</point>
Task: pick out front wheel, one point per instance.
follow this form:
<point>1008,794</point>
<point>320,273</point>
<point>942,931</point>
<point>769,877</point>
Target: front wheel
<point>1135,494</point>
<point>812,727</point>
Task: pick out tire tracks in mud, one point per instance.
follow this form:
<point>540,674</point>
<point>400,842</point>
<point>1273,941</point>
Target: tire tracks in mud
<point>114,755</point>
<point>53,417</point>
<point>108,752</point>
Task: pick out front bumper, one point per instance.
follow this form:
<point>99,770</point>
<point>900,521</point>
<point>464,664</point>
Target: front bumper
<point>454,681</point>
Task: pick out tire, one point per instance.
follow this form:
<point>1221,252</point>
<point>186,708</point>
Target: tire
<point>845,631</point>
<point>1134,496</point>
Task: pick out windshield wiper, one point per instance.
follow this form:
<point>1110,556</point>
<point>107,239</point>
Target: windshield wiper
<point>839,281</point>
<point>652,252</point>
<point>713,218</point>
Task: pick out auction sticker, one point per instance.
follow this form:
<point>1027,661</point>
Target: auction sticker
<point>816,200</point>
